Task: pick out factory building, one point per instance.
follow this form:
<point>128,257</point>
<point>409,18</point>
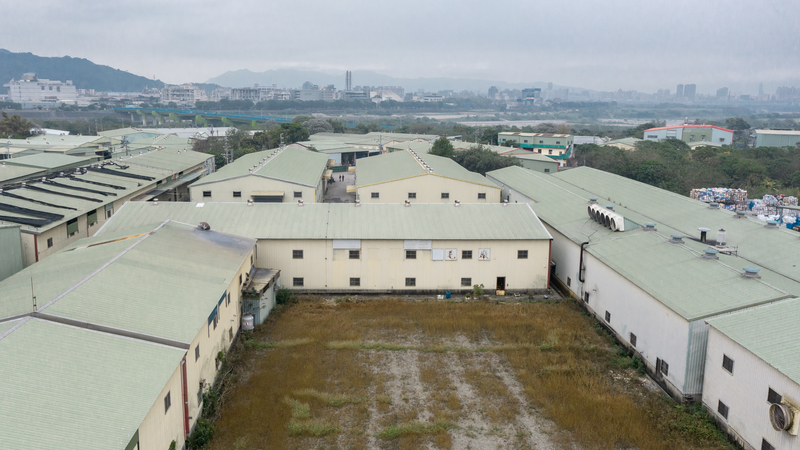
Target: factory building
<point>653,271</point>
<point>777,138</point>
<point>422,248</point>
<point>281,175</point>
<point>691,134</point>
<point>408,176</point>
<point>751,384</point>
<point>30,89</point>
<point>556,146</point>
<point>111,342</point>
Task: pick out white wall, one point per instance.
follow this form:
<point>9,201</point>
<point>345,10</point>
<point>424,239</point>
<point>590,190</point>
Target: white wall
<point>222,191</point>
<point>745,392</point>
<point>429,189</point>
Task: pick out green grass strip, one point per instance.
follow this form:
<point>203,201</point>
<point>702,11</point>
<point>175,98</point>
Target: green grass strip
<point>408,428</point>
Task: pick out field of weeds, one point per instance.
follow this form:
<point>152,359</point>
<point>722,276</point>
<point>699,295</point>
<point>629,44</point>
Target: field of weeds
<point>394,374</point>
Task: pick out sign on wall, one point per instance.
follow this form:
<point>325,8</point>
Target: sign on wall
<point>437,254</point>
<point>450,254</point>
<point>484,254</point>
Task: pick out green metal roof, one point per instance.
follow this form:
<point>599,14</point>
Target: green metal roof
<point>402,164</point>
<point>491,221</point>
<point>50,161</point>
<point>673,274</point>
<point>293,164</point>
<point>171,160</point>
<point>632,141</point>
<point>770,332</point>
<point>11,250</point>
<point>71,388</point>
<point>10,173</point>
<point>419,147</point>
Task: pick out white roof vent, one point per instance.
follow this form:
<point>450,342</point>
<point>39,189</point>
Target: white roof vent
<point>457,204</point>
<point>249,202</point>
<point>155,202</point>
<point>740,215</point>
<point>357,203</point>
<point>592,200</point>
<point>505,203</point>
<point>300,203</point>
<point>676,239</point>
<point>710,253</point>
<point>751,272</point>
<point>607,217</point>
<point>722,238</point>
<point>772,224</point>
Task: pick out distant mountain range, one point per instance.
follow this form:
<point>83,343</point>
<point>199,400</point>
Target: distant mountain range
<point>290,78</point>
<point>83,73</point>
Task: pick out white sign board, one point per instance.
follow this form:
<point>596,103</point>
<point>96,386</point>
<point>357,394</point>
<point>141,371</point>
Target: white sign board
<point>437,254</point>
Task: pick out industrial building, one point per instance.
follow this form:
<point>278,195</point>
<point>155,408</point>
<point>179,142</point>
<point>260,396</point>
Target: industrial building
<point>527,158</point>
<point>556,146</point>
<point>281,175</point>
<point>628,143</point>
<point>111,342</point>
<point>57,209</point>
<point>777,138</point>
<point>408,176</point>
<point>11,250</point>
<point>652,265</point>
<point>345,149</point>
<point>422,248</point>
<point>751,384</point>
<point>30,89</point>
<point>691,134</point>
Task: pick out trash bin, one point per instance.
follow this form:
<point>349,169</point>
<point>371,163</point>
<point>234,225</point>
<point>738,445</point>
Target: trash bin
<point>447,294</point>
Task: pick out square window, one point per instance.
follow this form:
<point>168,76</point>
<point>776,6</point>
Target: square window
<point>197,352</point>
<point>482,196</point>
<point>586,297</point>
<point>727,364</point>
<point>633,340</point>
<point>722,139</point>
<point>541,142</point>
<point>206,193</point>
<point>608,316</point>
<point>297,254</point>
<point>355,254</point>
<point>466,282</point>
<point>411,281</point>
<point>773,397</point>
<point>375,195</point>
<point>569,282</point>
<point>298,194</point>
<point>49,242</point>
<point>664,367</point>
<point>227,299</point>
<point>522,254</point>
<point>167,402</point>
<point>298,282</point>
<point>558,142</point>
<point>546,170</point>
<point>412,195</point>
<point>445,195</point>
<point>411,254</point>
<point>766,445</point>
<point>722,409</point>
<point>466,254</point>
<point>237,194</point>
<point>549,152</point>
<point>355,281</point>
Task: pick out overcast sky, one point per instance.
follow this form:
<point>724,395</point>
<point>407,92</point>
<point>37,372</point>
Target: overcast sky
<point>603,45</point>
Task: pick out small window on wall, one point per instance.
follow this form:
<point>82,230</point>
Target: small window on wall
<point>230,333</point>
<point>466,254</point>
<point>197,352</point>
<point>167,402</point>
<point>773,397</point>
<point>569,281</point>
<point>558,142</point>
<point>375,195</point>
<point>206,193</point>
<point>298,194</point>
<point>237,194</point>
<point>722,409</point>
<point>216,319</point>
<point>355,254</point>
<point>297,254</point>
<point>608,316</point>
<point>355,282</point>
<point>546,170</point>
<point>466,282</point>
<point>549,152</point>
<point>411,254</point>
<point>412,195</point>
<point>633,340</point>
<point>586,297</point>
<point>240,279</point>
<point>482,196</point>
<point>411,282</point>
<point>766,445</point>
<point>727,364</point>
<point>522,254</point>
<point>49,242</point>
<point>445,195</point>
<point>72,227</point>
<point>297,282</point>
<point>91,218</point>
<point>664,367</point>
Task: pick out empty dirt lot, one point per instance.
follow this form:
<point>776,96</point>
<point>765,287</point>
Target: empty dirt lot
<point>399,374</point>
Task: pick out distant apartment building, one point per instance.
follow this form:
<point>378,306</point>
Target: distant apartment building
<point>29,88</point>
<point>185,94</point>
<point>679,92</point>
<point>531,95</point>
<point>689,92</point>
<point>722,92</point>
<point>252,94</point>
<point>493,92</point>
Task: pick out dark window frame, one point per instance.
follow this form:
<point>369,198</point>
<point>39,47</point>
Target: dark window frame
<point>481,195</point>
<point>608,317</point>
<point>722,409</point>
<point>412,195</point>
<point>632,340</point>
<point>298,282</point>
<point>445,195</point>
<point>49,242</point>
<point>206,194</point>
<point>727,363</point>
<point>466,282</point>
<point>297,254</point>
<point>355,282</point>
<point>298,194</point>
<point>197,352</point>
<point>237,194</point>
<point>167,401</point>
<point>765,445</point>
<point>522,254</point>
<point>466,254</point>
<point>411,254</point>
<point>355,254</point>
<point>374,195</point>
<point>411,282</point>
<point>773,396</point>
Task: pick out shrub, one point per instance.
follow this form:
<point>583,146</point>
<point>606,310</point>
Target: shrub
<point>477,290</point>
<point>284,296</point>
<point>202,434</point>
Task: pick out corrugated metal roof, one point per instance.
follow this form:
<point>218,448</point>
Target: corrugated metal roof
<point>673,127</point>
<point>342,221</point>
<point>49,160</point>
<point>165,159</point>
<point>402,164</point>
<point>293,164</point>
<point>10,250</point>
<point>67,387</point>
<point>779,132</point>
<point>770,332</point>
<point>9,173</point>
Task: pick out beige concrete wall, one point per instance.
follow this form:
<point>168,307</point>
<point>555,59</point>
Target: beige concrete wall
<point>429,189</point>
<point>382,265</point>
<point>160,428</point>
<point>222,191</point>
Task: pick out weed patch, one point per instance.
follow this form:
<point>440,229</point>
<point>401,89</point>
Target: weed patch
<point>405,429</point>
<point>312,428</point>
<point>330,399</point>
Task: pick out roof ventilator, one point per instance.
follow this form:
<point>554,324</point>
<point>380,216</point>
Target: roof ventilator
<point>592,200</point>
<point>155,202</point>
<point>299,203</point>
<point>607,217</point>
<point>751,272</point>
<point>457,204</point>
<point>740,215</point>
<point>772,224</point>
<point>408,203</point>
<point>249,202</point>
<point>703,233</point>
<point>710,253</point>
<point>357,203</point>
<point>649,226</point>
<point>203,226</point>
<point>675,239</point>
<point>505,203</point>
<point>713,205</point>
<point>722,238</point>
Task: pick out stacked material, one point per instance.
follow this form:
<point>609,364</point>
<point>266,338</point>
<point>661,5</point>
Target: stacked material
<point>719,195</point>
<point>770,205</point>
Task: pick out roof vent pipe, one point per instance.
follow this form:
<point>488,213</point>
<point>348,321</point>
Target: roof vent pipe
<point>505,203</point>
<point>249,202</point>
<point>703,232</point>
<point>592,200</point>
<point>751,272</point>
<point>357,203</point>
<point>155,202</point>
<point>610,207</point>
<point>710,253</point>
<point>649,226</point>
<point>772,224</point>
<point>676,239</point>
<point>713,205</point>
<point>722,238</point>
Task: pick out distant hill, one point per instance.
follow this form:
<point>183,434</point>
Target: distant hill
<point>290,78</point>
<point>83,73</point>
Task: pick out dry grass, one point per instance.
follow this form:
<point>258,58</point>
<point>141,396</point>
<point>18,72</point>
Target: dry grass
<point>396,374</point>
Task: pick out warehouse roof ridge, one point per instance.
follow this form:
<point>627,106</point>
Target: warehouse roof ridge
<point>407,164</point>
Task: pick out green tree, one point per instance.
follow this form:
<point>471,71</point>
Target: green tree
<point>736,123</point>
<point>315,126</point>
<point>480,159</point>
<point>442,147</point>
<point>15,126</point>
<point>301,119</point>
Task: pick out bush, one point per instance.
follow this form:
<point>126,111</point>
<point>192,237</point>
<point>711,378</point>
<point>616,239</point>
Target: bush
<point>202,434</point>
<point>284,296</point>
<point>477,290</point>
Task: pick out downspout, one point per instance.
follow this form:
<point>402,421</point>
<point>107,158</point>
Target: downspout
<point>580,265</point>
<point>36,246</point>
<point>185,392</point>
<point>549,262</point>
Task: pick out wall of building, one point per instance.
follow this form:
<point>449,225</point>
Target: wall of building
<point>222,191</point>
<point>745,393</point>
<point>429,189</point>
<point>11,261</point>
<point>539,166</point>
<point>159,428</point>
<point>382,265</point>
<point>777,140</point>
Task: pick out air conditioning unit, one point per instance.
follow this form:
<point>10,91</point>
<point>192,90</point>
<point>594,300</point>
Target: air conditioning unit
<point>606,217</point>
<point>785,416</point>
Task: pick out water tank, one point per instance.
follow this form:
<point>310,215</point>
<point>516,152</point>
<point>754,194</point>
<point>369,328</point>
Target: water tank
<point>247,321</point>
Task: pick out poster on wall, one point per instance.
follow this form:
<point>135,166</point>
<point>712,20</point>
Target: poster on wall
<point>450,254</point>
<point>484,254</point>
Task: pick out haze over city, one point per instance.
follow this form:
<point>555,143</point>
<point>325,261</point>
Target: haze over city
<point>626,45</point>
